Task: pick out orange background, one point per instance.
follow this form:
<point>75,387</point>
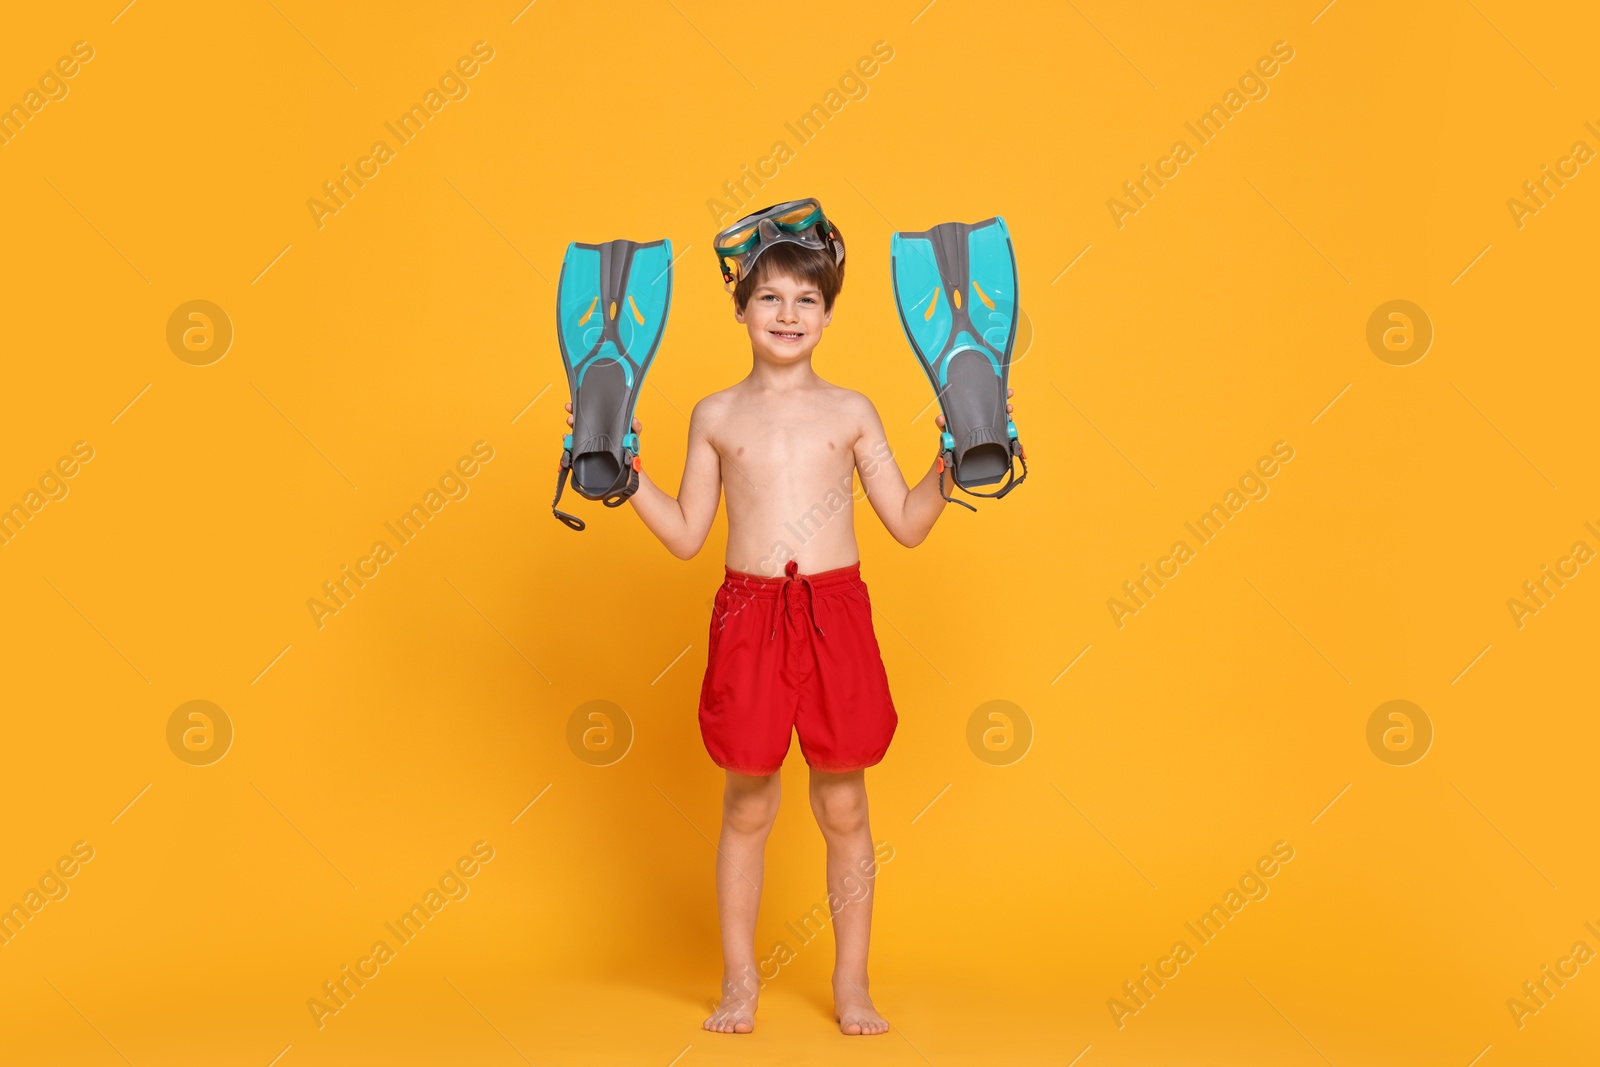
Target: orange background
<point>370,354</point>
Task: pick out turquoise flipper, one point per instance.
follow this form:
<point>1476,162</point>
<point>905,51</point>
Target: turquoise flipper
<point>611,309</point>
<point>956,290</point>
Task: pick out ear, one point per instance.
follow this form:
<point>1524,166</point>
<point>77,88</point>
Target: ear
<point>738,313</point>
<point>827,316</point>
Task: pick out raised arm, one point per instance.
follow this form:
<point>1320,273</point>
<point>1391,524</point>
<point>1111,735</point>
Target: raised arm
<point>682,524</point>
<point>908,514</point>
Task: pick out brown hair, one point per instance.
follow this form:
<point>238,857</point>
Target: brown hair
<point>812,265</point>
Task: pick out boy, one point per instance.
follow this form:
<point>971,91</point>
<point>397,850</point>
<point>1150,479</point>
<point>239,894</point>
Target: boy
<point>791,645</point>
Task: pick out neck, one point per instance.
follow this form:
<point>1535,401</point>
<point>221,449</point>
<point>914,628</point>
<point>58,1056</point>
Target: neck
<point>765,374</point>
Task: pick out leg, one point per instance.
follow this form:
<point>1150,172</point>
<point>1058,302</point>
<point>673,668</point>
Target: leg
<point>749,806</point>
<point>839,802</point>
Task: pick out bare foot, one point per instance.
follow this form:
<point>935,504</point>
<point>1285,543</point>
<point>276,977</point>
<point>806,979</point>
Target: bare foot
<point>737,1012</point>
<point>853,1010</point>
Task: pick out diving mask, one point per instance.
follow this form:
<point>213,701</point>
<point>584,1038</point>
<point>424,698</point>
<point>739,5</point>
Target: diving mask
<point>801,221</point>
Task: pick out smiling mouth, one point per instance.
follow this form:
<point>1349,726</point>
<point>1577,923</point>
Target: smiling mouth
<point>786,335</point>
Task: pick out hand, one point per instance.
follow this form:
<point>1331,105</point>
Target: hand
<point>638,427</point>
<point>938,420</point>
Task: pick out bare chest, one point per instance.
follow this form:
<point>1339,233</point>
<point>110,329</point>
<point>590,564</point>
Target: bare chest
<point>786,452</point>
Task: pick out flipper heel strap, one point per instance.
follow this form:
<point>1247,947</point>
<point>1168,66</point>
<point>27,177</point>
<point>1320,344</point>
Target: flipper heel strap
<point>561,484</point>
<point>1012,481</point>
<point>1012,485</point>
<point>617,497</point>
<point>947,463</point>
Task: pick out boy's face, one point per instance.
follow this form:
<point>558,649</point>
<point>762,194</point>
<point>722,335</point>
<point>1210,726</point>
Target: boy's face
<point>785,318</point>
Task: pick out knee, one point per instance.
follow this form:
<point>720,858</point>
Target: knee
<point>840,811</point>
<point>750,813</point>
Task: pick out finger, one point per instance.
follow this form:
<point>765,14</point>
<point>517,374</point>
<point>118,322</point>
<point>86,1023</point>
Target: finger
<point>1008,409</point>
<point>568,405</point>
<point>637,426</point>
<point>1010,391</point>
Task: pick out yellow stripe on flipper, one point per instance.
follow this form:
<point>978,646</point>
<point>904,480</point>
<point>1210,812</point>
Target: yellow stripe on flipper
<point>636,316</point>
<point>613,309</point>
<point>983,296</point>
<point>955,294</point>
<point>586,314</point>
<point>933,305</point>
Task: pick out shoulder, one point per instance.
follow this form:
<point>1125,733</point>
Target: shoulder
<point>714,406</point>
<point>854,404</point>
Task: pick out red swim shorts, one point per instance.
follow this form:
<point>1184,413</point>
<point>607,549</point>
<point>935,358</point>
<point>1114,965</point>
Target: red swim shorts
<point>795,654</point>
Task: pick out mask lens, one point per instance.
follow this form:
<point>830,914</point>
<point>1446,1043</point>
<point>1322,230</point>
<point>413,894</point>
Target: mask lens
<point>730,244</point>
<point>799,217</point>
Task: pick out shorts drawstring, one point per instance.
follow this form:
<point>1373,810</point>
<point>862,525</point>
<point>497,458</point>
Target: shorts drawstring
<point>790,578</point>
